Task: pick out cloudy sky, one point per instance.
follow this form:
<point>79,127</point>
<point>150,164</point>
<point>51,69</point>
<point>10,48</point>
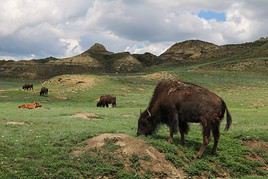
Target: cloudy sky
<point>60,28</point>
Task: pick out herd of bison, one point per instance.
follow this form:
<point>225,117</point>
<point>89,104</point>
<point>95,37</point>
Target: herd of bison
<point>43,91</point>
<point>176,103</point>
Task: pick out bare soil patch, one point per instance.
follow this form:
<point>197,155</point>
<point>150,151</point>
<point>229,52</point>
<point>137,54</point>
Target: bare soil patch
<point>15,123</point>
<point>255,157</point>
<point>159,76</point>
<point>62,97</point>
<point>3,96</point>
<point>86,116</point>
<point>6,90</point>
<point>138,156</point>
<point>257,104</point>
<point>259,145</point>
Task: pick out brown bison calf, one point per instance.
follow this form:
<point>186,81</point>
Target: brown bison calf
<point>176,103</point>
<point>106,100</point>
<point>30,105</point>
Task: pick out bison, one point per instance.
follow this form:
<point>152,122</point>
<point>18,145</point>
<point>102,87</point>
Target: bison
<point>106,100</point>
<point>43,91</point>
<point>177,103</point>
<point>27,87</point>
<point>30,105</point>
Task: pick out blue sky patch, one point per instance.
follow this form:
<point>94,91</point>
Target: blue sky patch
<point>209,15</point>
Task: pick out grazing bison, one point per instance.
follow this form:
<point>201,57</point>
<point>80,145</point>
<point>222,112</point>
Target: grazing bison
<point>177,103</point>
<point>106,100</point>
<point>27,87</point>
<point>43,91</point>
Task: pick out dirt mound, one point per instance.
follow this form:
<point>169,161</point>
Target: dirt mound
<point>256,144</point>
<point>159,76</point>
<point>136,154</point>
<point>86,115</point>
<point>71,82</point>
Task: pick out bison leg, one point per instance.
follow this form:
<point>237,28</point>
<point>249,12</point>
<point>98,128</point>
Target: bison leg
<point>183,127</point>
<point>170,138</point>
<point>216,135</point>
<point>182,137</point>
<point>173,124</point>
<point>206,135</point>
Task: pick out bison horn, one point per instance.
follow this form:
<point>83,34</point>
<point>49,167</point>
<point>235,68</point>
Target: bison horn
<point>150,115</point>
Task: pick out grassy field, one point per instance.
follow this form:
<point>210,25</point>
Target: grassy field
<point>40,145</point>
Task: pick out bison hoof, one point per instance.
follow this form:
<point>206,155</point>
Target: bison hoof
<point>198,155</point>
<point>213,152</point>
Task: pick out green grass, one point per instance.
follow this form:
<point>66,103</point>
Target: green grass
<point>41,147</point>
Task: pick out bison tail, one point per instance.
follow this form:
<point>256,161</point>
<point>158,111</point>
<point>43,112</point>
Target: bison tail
<point>228,117</point>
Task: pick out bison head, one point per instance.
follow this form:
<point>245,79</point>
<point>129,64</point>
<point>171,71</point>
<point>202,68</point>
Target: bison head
<point>37,105</point>
<point>145,126</point>
<point>98,104</point>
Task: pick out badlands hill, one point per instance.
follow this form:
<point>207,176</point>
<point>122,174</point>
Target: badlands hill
<point>193,50</point>
<point>97,59</point>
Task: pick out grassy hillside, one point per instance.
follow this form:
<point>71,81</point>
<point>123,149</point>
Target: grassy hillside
<point>40,144</point>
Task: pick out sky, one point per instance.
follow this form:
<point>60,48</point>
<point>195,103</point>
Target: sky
<point>61,28</point>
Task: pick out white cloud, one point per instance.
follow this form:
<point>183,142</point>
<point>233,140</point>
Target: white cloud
<point>155,48</point>
<point>65,28</point>
<point>72,46</point>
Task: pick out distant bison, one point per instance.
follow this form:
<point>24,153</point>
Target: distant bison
<point>106,100</point>
<point>43,91</point>
<point>27,87</point>
<point>30,105</point>
<point>176,103</point>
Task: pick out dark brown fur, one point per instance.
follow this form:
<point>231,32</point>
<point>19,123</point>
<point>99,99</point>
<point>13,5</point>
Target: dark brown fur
<point>177,103</point>
<point>43,91</point>
<point>106,100</point>
<point>27,87</point>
